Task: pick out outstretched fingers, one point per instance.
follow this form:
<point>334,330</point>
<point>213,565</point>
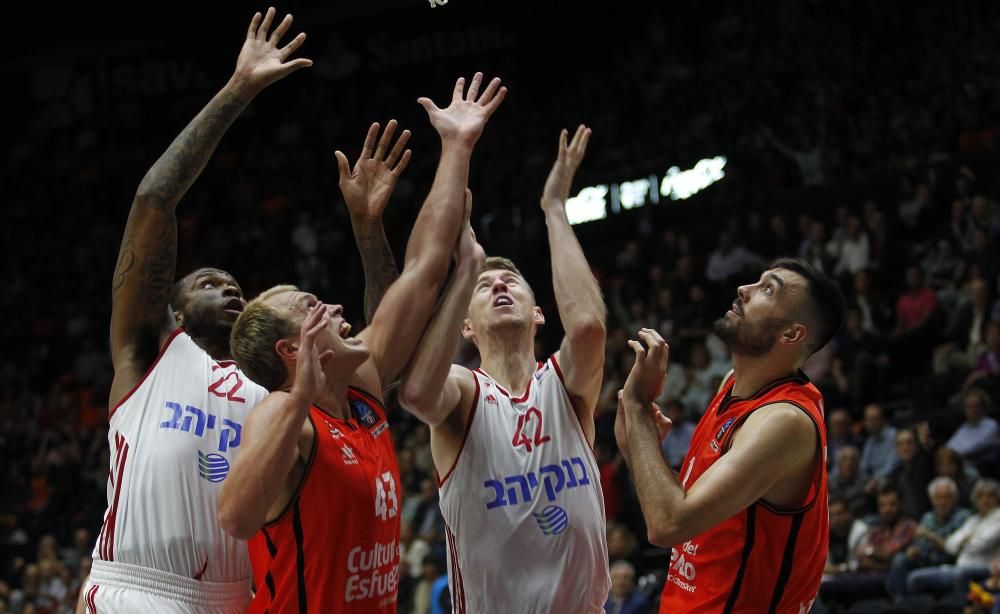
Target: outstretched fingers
<point>397,149</point>
<point>266,24</point>
<point>280,31</point>
<point>492,105</point>
<point>473,92</point>
<point>366,149</point>
<point>383,143</point>
<point>293,45</point>
<point>254,24</point>
<point>343,166</point>
<point>399,168</point>
<point>579,142</point>
<point>459,89</point>
<point>491,90</point>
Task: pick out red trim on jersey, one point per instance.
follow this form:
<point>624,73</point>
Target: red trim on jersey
<point>465,435</point>
<point>163,350</point>
<point>91,599</point>
<point>458,584</point>
<point>305,474</point>
<point>108,547</point>
<point>583,433</point>
<point>520,399</point>
<point>555,365</point>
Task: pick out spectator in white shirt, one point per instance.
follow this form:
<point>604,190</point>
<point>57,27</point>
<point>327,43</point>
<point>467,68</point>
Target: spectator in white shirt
<point>979,436</point>
<point>974,545</point>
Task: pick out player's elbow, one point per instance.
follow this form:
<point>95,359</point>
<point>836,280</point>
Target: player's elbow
<point>420,402</point>
<point>234,519</point>
<point>661,532</point>
<point>588,329</point>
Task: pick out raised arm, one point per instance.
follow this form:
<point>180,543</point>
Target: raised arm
<point>779,437</point>
<point>273,439</point>
<point>406,308</point>
<point>148,253</point>
<point>432,387</point>
<point>581,306</point>
<point>366,189</point>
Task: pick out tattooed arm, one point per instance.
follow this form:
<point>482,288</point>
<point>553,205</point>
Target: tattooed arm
<point>148,253</point>
<point>366,191</point>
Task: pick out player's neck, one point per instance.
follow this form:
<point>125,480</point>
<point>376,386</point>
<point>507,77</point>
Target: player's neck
<point>333,398</point>
<point>218,349</point>
<point>752,373</point>
<point>510,367</point>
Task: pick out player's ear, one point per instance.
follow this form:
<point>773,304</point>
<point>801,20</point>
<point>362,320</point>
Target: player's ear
<point>538,316</point>
<point>467,331</point>
<point>179,318</point>
<point>286,349</point>
<point>796,333</point>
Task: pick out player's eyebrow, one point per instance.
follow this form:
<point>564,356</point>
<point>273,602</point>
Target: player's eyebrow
<point>778,281</point>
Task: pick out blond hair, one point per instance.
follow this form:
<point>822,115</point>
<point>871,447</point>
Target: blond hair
<point>493,263</point>
<point>254,335</point>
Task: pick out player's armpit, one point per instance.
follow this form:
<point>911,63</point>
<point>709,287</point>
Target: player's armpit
<point>461,395</point>
<point>581,363</point>
<point>776,444</point>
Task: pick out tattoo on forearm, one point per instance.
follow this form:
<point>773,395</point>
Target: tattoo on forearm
<point>180,165</point>
<point>126,262</point>
<point>379,265</point>
<point>158,268</point>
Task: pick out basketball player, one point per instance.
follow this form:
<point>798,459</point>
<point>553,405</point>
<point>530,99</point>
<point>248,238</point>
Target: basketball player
<point>511,441</point>
<point>177,401</point>
<point>317,490</point>
<point>747,519</point>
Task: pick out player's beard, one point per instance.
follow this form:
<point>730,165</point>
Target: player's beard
<point>749,339</point>
<point>202,326</point>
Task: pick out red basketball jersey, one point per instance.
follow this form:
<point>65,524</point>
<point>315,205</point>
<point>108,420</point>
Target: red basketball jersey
<point>762,559</point>
<point>336,547</point>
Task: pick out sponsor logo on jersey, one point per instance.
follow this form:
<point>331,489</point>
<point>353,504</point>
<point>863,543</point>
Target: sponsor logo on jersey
<point>491,399</point>
<point>539,373</point>
<point>552,520</point>
<point>722,430</point>
<point>364,413</point>
<point>334,431</point>
<point>374,573</point>
<point>349,457</point>
<point>212,467</point>
<point>714,446</point>
<point>550,479</point>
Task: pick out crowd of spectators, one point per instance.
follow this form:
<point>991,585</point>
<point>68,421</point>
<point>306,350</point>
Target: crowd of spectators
<point>860,138</point>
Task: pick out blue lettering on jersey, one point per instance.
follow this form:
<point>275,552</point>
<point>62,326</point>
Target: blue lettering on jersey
<point>553,520</point>
<point>195,421</point>
<point>552,478</point>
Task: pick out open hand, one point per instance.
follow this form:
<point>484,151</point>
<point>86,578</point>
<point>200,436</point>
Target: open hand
<point>369,185</point>
<point>463,120</point>
<point>570,156</point>
<point>309,376</point>
<point>261,62</point>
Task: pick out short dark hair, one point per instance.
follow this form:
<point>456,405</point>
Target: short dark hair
<point>889,490</point>
<point>826,302</point>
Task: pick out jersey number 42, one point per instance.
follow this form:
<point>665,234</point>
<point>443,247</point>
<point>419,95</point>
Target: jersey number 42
<point>524,426</point>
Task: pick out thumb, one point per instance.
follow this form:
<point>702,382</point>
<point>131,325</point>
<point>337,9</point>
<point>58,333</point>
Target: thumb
<point>289,67</point>
<point>428,104</point>
<point>342,165</point>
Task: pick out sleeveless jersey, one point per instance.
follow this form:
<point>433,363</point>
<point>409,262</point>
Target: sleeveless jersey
<point>173,439</point>
<point>523,505</point>
<point>335,548</point>
<point>762,559</point>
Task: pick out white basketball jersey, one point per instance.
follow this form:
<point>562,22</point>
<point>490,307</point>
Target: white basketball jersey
<point>523,505</point>
<point>173,440</point>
